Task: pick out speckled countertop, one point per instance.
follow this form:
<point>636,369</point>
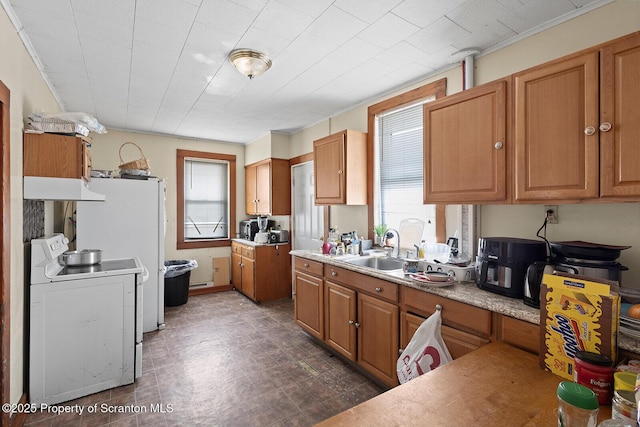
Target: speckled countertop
<point>466,292</point>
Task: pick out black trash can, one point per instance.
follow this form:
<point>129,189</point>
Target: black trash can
<point>176,281</point>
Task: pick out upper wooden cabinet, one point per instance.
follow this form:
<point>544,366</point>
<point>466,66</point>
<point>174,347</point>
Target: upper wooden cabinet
<point>268,187</point>
<point>465,146</point>
<point>57,156</point>
<point>340,169</point>
<point>576,125</point>
<point>556,118</point>
<point>620,113</point>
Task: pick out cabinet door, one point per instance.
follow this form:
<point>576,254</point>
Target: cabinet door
<point>340,318</point>
<point>248,278</point>
<point>309,304</point>
<point>236,271</point>
<point>329,168</point>
<point>263,188</point>
<point>620,118</point>
<point>465,147</point>
<point>378,338</point>
<point>556,138</point>
<point>251,196</point>
<point>458,342</point>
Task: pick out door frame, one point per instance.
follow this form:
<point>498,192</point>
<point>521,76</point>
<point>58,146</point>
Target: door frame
<point>5,241</point>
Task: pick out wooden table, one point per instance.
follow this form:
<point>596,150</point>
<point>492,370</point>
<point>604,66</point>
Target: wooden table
<point>496,385</point>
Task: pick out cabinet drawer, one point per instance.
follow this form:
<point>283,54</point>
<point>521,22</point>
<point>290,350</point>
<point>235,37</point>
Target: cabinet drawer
<point>362,282</point>
<point>454,313</point>
<point>520,334</point>
<point>245,251</point>
<point>310,267</point>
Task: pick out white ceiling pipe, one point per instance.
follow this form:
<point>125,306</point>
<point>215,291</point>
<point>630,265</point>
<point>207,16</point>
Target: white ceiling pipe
<point>468,71</point>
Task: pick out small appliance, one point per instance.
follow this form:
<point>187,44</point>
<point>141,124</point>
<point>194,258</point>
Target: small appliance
<point>533,281</point>
<point>278,236</point>
<point>502,262</point>
<point>250,227</point>
<point>588,259</point>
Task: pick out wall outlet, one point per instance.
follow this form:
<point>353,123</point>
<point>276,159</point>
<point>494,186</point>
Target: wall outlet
<point>551,213</point>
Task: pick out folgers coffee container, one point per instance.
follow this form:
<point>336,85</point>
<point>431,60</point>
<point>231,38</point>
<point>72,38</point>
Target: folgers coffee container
<point>595,371</point>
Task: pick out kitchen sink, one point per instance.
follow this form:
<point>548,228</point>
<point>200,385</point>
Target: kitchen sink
<point>379,263</point>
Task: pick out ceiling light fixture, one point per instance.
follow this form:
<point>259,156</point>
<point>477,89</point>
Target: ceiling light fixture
<point>250,62</point>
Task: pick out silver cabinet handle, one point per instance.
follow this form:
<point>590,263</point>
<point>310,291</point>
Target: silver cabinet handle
<point>357,325</point>
<point>498,145</point>
<point>400,350</point>
<point>351,322</point>
<point>589,130</point>
<point>333,273</point>
<point>306,264</point>
<point>605,127</point>
<point>378,290</point>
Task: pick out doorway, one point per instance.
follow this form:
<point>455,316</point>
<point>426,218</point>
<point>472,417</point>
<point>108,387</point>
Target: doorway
<point>308,219</point>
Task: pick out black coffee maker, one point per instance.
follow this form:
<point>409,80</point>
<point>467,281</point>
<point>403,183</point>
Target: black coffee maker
<point>502,262</point>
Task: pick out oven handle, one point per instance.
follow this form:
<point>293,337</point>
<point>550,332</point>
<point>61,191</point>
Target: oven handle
<point>145,274</point>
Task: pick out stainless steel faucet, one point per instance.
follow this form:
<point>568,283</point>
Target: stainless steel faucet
<point>397,247</point>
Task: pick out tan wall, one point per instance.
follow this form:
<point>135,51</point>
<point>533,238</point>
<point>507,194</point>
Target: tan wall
<point>29,94</point>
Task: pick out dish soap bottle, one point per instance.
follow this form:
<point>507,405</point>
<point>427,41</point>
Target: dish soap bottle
<point>421,250</point>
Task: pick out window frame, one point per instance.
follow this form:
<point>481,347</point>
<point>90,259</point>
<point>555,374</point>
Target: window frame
<point>181,155</point>
<point>435,89</point>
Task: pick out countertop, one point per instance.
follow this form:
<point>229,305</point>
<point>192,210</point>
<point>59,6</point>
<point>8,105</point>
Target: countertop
<point>252,243</point>
<point>495,385</point>
<point>466,292</point>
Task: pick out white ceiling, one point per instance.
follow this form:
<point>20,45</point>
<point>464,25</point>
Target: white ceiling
<point>160,66</point>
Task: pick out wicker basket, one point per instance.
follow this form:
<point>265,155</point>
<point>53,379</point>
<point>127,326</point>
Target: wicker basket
<point>140,164</point>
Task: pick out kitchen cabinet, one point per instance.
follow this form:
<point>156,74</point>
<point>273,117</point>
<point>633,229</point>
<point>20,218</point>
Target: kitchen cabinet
<point>261,272</point>
<point>56,155</point>
<point>340,169</point>
<point>518,333</point>
<point>576,125</point>
<point>361,321</point>
<point>309,296</point>
<point>556,156</point>
<point>268,187</point>
<point>465,146</point>
<point>619,108</point>
<point>464,328</point>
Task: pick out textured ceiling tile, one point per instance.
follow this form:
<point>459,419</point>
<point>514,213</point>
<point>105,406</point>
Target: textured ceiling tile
<point>312,8</point>
<point>158,35</point>
<point>367,10</point>
<point>425,12</point>
<point>117,11</point>
<point>169,13</point>
<point>388,31</point>
<point>226,16</point>
<point>282,20</point>
<point>440,34</point>
<point>336,26</point>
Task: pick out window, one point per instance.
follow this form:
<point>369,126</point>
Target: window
<point>206,199</point>
<point>395,165</point>
<point>398,144</point>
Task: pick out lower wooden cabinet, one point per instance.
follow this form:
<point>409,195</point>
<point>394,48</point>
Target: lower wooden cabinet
<point>519,333</point>
<point>458,342</point>
<point>370,321</point>
<point>309,296</point>
<point>362,328</point>
<point>261,272</point>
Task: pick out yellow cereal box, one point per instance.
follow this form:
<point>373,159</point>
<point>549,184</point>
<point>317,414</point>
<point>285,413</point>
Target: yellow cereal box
<point>576,314</point>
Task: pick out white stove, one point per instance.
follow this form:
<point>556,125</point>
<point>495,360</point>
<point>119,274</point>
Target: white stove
<point>85,324</point>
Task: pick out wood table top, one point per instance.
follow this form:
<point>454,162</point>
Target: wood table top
<point>495,385</point>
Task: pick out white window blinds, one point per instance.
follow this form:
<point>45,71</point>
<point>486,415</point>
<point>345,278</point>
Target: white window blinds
<point>206,199</point>
<point>400,171</point>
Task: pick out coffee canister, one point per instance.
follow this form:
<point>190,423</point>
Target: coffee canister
<point>595,371</point>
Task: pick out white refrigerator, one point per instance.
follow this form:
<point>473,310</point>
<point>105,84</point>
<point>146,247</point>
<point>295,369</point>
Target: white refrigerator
<point>129,223</point>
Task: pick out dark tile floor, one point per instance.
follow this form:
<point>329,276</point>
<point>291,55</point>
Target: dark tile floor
<point>224,361</point>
